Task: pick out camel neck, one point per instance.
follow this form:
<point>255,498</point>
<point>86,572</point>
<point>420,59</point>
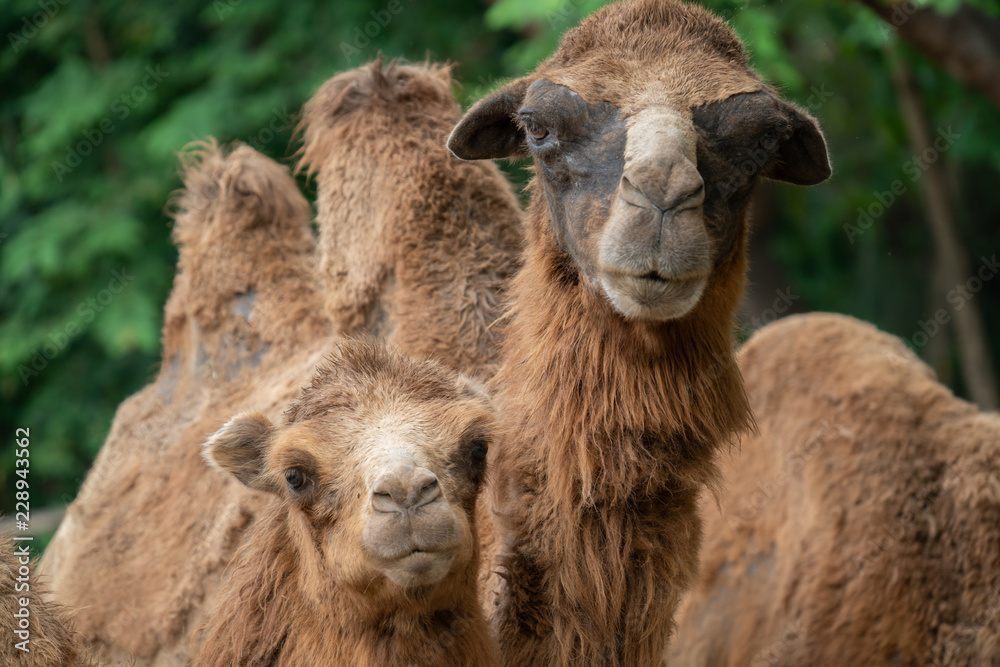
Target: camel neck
<point>626,402</point>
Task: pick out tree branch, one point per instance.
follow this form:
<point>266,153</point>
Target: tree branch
<point>974,350</point>
<point>966,44</point>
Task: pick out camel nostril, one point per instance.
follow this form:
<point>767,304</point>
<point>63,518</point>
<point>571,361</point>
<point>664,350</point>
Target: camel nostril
<point>425,488</point>
<point>632,194</point>
<point>662,184</point>
<point>388,494</point>
<point>405,492</point>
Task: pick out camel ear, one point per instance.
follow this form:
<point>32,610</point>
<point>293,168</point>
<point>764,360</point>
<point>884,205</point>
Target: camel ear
<point>802,158</point>
<point>489,130</point>
<point>240,449</point>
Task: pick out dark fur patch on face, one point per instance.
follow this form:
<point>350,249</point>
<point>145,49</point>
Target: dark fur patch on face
<point>470,458</point>
<point>578,162</point>
<point>579,152</point>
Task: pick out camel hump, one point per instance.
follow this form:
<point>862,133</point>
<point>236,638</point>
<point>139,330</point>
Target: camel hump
<point>246,269</point>
<point>225,193</point>
<point>410,92</point>
<point>852,355</point>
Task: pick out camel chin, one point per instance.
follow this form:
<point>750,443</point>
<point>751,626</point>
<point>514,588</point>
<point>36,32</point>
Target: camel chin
<point>652,298</point>
<point>419,569</point>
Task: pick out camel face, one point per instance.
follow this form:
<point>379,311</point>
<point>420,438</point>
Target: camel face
<point>648,130</point>
<point>625,197</point>
<point>378,465</point>
<point>413,530</point>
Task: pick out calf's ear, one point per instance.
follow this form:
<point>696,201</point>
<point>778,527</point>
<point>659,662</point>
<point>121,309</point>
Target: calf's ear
<point>489,130</point>
<point>240,449</point>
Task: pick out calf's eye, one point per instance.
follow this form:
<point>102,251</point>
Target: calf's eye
<point>478,449</point>
<point>295,479</point>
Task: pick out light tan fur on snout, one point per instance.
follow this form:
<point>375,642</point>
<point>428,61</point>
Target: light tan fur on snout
<point>656,227</point>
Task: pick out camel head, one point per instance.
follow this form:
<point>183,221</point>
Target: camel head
<point>648,130</point>
<point>376,468</point>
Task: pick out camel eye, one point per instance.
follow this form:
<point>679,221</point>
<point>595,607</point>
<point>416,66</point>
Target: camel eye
<point>478,449</point>
<point>535,131</point>
<point>295,479</point>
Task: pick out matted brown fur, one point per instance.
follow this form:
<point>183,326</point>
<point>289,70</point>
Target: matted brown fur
<point>415,244</point>
<point>51,641</point>
<point>861,526</point>
<point>144,544</point>
<point>300,591</point>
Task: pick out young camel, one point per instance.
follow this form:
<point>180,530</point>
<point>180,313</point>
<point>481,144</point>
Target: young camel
<point>247,320</point>
<point>860,526</point>
<point>440,238</point>
<point>648,130</point>
<point>366,554</point>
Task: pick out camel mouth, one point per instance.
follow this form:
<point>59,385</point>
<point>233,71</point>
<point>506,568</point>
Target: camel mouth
<point>653,296</point>
<point>419,567</point>
<point>416,549</point>
<point>654,276</point>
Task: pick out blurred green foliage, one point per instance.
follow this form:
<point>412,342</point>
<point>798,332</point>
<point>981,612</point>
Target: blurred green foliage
<point>100,96</point>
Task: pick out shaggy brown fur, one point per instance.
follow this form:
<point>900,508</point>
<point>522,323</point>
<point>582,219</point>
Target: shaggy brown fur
<point>51,641</point>
<point>860,526</point>
<point>147,539</point>
<point>307,588</point>
<point>618,385</point>
<point>415,244</point>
